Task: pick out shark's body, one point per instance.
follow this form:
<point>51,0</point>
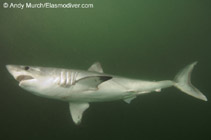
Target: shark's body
<point>79,88</point>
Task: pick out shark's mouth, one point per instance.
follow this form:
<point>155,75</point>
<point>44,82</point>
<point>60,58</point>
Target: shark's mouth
<point>24,77</point>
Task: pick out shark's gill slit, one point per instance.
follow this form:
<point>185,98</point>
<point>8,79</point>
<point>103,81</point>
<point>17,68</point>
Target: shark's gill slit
<point>67,78</point>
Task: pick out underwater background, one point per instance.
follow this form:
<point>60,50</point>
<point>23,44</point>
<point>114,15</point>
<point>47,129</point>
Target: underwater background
<point>142,39</point>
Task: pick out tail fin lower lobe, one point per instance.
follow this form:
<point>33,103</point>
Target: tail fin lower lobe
<point>183,82</point>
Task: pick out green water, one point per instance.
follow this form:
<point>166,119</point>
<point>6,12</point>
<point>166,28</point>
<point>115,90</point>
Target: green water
<point>142,39</point>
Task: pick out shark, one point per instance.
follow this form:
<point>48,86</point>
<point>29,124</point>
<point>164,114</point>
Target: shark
<point>79,88</point>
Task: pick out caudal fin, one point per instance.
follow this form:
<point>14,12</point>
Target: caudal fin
<point>183,82</point>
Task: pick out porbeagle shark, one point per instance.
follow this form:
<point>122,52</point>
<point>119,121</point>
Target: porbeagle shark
<point>79,87</point>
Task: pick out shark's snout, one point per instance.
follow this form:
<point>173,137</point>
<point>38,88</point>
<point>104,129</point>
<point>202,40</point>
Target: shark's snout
<point>14,70</point>
<point>9,68</point>
<point>18,73</point>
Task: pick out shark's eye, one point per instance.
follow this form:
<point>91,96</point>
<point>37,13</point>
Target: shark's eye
<point>26,68</point>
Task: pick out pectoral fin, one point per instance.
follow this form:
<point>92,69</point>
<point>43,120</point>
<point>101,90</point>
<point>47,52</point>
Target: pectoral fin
<point>92,82</point>
<point>76,111</point>
<point>96,67</point>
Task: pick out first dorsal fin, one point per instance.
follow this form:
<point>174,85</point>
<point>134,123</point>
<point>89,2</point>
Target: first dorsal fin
<point>96,67</point>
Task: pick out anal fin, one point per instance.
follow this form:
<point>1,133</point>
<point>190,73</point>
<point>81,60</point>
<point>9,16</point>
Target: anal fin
<point>158,90</point>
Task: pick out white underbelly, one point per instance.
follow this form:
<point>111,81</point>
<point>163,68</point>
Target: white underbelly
<point>115,89</point>
<point>107,91</point>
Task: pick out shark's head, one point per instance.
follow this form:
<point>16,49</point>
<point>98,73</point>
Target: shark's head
<point>29,77</point>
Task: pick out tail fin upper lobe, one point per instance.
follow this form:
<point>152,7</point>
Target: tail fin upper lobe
<point>183,82</point>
